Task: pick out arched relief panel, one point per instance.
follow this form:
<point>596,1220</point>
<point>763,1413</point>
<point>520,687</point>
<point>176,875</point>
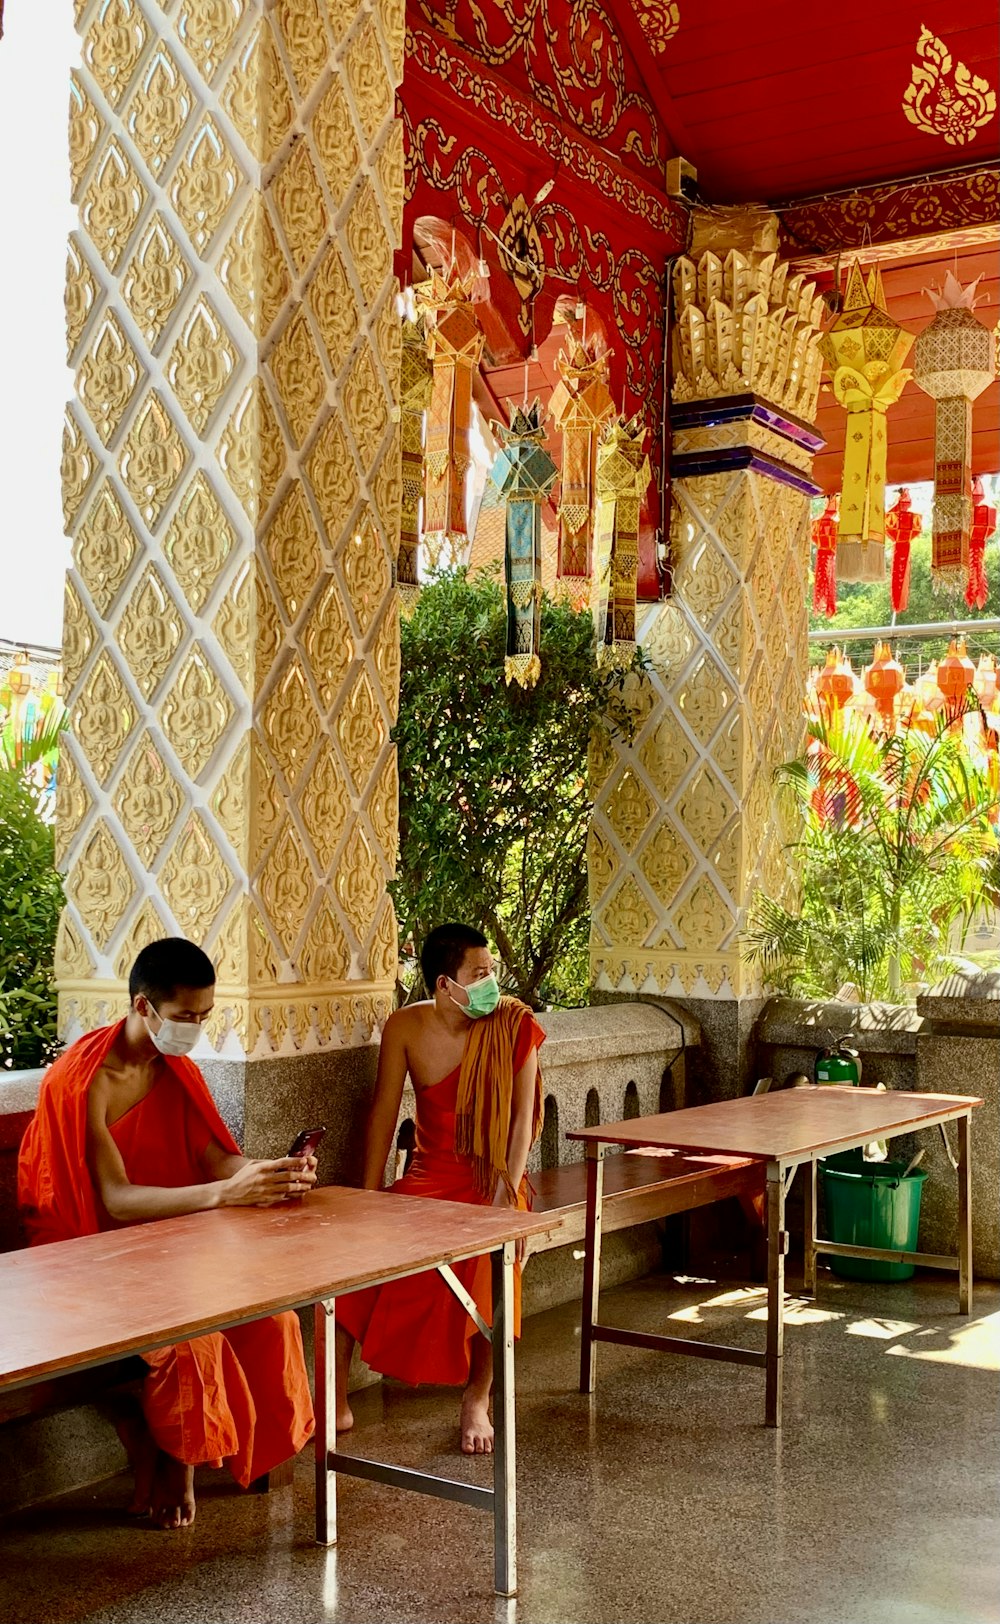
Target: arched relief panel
<point>231,487</point>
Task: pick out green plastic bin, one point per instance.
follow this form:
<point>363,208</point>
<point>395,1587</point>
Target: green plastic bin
<point>871,1204</point>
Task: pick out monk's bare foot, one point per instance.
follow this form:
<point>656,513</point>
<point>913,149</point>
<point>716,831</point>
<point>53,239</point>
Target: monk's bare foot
<point>475,1425</point>
<point>173,1493</point>
<point>345,1416</point>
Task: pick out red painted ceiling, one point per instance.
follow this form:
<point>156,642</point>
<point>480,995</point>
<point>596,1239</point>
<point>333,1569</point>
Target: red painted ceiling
<point>786,100</point>
<point>911,421</point>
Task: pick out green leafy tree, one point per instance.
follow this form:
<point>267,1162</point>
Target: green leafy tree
<point>898,851</point>
<point>494,797</point>
<point>31,897</point>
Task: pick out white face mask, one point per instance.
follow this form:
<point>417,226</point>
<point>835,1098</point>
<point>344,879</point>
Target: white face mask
<point>175,1038</point>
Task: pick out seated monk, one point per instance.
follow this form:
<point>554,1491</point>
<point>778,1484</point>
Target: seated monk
<point>126,1131</point>
<point>472,1057</point>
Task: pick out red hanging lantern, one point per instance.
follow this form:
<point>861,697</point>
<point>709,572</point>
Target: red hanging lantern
<point>824,535</point>
<point>903,526</point>
<point>984,523</point>
<point>835,683</point>
<point>955,674</point>
<point>884,679</point>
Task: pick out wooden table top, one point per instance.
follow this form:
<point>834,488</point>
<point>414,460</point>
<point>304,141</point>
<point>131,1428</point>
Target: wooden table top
<point>793,1122</point>
<point>84,1301</point>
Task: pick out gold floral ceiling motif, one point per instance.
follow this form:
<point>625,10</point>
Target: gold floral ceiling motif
<point>659,20</point>
<point>943,97</point>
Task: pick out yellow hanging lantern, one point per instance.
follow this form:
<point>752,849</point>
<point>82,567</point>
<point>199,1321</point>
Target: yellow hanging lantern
<point>954,362</point>
<point>864,349</point>
<point>454,346</point>
<point>581,404</point>
<point>416,376</point>
<point>623,474</point>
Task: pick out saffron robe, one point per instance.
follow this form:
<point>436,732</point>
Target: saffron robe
<point>415,1329</point>
<point>240,1395</point>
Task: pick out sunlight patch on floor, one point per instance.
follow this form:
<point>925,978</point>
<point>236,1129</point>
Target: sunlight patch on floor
<point>975,1345</point>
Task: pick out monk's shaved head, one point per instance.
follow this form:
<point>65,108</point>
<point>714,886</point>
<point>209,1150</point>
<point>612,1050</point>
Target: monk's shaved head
<point>166,966</point>
<point>444,951</point>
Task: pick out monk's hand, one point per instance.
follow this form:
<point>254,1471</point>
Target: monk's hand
<point>267,1183</point>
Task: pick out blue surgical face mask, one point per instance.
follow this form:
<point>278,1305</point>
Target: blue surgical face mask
<point>483,996</point>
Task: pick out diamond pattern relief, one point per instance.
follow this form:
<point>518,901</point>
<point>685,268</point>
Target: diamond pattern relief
<point>388,660</point>
<point>159,110</point>
<point>207,29</point>
<point>196,712</point>
<point>331,473</point>
<point>107,377</point>
<point>198,542</point>
<point>336,142</point>
<point>325,957</point>
<point>331,299</point>
<point>366,571</point>
<point>73,802</point>
<point>369,81</point>
<point>150,631</point>
<point>666,756</point>
<point>201,365</point>
<point>383,955</point>
<point>291,727</point>
<point>366,407</point>
<point>80,295</point>
<point>629,916</point>
<point>300,204</point>
<point>267,626</point>
<point>369,245</point>
<point>79,636</point>
<point>703,919</point>
<point>357,883</point>
<point>154,280</point>
<point>306,40</point>
<point>104,548</point>
<point>299,376</point>
<point>76,468</point>
<point>602,864</point>
<point>230,801</point>
<point>148,927</point>
<point>286,886</point>
<point>666,863</point>
<point>361,731</point>
<point>195,880</point>
<point>253,269</point>
<point>257,95</point>
<point>251,452</point>
<point>705,580</point>
<point>704,809</point>
<point>328,644</point>
<point>147,800</point>
<point>629,808</point>
<point>204,184</point>
<point>112,204</point>
<point>704,699</point>
<point>293,548</point>
<point>71,961</point>
<point>86,126</point>
<point>325,805</point>
<point>383,810</point>
<point>104,717</point>
<point>267,802</point>
<point>231,625</point>
<point>101,886</point>
<point>152,458</point>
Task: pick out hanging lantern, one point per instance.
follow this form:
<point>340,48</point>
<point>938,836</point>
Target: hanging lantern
<point>623,475</point>
<point>985,680</point>
<point>454,346</point>
<point>824,535</point>
<point>524,474</point>
<point>954,362</point>
<point>19,676</point>
<point>902,526</point>
<point>835,683</point>
<point>415,380</point>
<point>955,674</point>
<point>581,403</point>
<point>865,350</point>
<point>984,523</point>
<point>884,680</point>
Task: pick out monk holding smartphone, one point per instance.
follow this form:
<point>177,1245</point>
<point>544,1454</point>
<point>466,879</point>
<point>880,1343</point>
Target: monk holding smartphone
<point>125,1132</point>
<point>472,1057</point>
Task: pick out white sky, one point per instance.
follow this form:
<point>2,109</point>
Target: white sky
<point>36,52</point>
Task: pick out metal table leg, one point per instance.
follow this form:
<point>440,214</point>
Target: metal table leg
<point>809,1239</point>
<point>325,1373</point>
<point>776,1245</point>
<point>965,1214</point>
<point>504,1459</point>
<point>591,1265</point>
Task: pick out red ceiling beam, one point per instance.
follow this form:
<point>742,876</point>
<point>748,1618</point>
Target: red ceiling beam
<point>910,210</point>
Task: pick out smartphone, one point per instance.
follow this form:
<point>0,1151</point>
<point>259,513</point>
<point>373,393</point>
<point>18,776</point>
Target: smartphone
<point>307,1142</point>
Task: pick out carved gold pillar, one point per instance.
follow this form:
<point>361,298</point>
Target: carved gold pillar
<point>685,824</point>
<point>231,487</point>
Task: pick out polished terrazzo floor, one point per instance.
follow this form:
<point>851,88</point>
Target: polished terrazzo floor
<point>663,1499</point>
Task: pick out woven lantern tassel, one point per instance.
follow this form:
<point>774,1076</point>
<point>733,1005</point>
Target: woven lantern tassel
<point>984,523</point>
<point>623,475</point>
<point>824,535</point>
<point>902,526</point>
<point>864,349</point>
<point>414,398</point>
<point>524,474</point>
<point>454,346</point>
<point>953,363</point>
<point>581,403</point>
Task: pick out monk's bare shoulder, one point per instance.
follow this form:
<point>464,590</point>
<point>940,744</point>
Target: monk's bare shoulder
<point>406,1024</point>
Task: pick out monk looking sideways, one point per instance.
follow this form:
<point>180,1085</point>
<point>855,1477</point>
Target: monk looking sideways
<point>472,1057</point>
<point>126,1131</point>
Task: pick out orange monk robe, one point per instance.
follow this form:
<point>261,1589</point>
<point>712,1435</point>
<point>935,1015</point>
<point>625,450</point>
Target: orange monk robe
<point>415,1329</point>
<point>240,1395</point>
